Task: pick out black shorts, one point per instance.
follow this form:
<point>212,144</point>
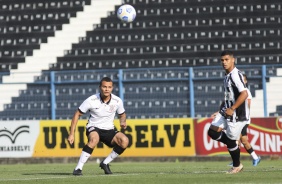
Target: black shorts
<point>244,130</point>
<point>106,136</point>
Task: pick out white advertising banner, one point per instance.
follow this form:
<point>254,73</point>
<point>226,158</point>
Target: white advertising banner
<point>17,138</point>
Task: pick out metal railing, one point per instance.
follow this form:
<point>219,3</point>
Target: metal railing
<point>189,76</point>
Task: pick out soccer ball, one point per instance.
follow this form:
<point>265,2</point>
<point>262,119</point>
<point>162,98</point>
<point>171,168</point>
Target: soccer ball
<point>126,13</point>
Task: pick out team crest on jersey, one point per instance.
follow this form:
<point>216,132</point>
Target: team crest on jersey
<point>112,108</point>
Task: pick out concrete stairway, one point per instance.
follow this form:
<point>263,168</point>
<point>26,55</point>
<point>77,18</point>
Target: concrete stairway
<point>55,47</point>
<point>274,96</point>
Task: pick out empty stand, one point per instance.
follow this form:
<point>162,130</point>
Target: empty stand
<point>27,24</point>
<point>167,34</point>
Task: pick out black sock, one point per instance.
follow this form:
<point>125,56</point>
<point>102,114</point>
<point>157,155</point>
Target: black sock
<point>87,149</point>
<point>250,150</point>
<point>119,150</point>
<point>235,155</point>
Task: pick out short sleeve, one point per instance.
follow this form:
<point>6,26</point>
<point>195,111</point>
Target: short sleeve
<point>239,82</point>
<point>85,106</point>
<point>120,109</point>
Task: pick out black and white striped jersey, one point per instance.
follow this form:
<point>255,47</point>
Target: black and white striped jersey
<point>233,86</point>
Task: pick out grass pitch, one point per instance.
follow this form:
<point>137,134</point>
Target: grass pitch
<point>268,171</point>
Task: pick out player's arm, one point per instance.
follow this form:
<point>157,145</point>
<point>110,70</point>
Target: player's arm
<point>74,121</point>
<point>241,99</point>
<point>122,120</point>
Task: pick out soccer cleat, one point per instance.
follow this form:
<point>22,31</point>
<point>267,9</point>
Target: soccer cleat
<point>77,172</point>
<point>235,170</point>
<point>256,161</point>
<point>106,168</point>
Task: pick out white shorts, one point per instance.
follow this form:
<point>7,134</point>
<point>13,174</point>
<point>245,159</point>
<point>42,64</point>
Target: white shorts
<point>233,128</point>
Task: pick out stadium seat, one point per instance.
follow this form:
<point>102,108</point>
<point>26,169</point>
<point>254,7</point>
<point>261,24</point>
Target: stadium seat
<point>169,33</point>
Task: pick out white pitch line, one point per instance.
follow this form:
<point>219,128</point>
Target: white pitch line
<point>28,179</point>
<point>64,177</point>
<point>132,174</point>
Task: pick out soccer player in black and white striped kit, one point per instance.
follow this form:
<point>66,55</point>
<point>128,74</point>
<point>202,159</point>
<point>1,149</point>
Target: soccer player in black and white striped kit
<point>244,134</point>
<point>233,114</point>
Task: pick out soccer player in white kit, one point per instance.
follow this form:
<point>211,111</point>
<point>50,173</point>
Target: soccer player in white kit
<point>244,135</point>
<point>233,114</point>
<point>100,126</point>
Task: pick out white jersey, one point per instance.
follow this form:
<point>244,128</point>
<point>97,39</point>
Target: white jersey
<point>233,86</point>
<point>250,97</point>
<point>102,114</point>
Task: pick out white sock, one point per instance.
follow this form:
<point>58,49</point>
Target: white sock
<point>111,157</point>
<point>83,158</point>
<point>254,155</point>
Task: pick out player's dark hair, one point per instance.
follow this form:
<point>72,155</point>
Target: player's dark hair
<point>106,79</point>
<point>227,52</point>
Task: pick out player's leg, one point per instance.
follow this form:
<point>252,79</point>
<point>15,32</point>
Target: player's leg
<point>239,143</point>
<point>119,142</point>
<point>229,138</point>
<point>215,131</point>
<point>234,151</point>
<point>93,140</point>
<point>233,132</point>
<point>248,147</point>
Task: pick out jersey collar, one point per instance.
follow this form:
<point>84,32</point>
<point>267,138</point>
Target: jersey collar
<point>103,100</point>
<point>233,70</point>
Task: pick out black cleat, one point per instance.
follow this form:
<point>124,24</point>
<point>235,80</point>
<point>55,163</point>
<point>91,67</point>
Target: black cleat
<point>106,168</point>
<point>77,172</point>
